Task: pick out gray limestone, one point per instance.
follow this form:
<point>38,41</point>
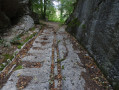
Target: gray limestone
<point>72,79</point>
<point>98,32</point>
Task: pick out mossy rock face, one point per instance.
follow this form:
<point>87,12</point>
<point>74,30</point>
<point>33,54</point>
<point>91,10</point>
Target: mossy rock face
<point>83,26</point>
<point>74,22</point>
<point>72,26</point>
<point>99,34</point>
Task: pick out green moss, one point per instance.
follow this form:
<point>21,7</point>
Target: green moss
<point>19,67</point>
<point>19,47</point>
<point>8,56</point>
<point>60,60</point>
<point>15,41</point>
<point>32,29</point>
<point>64,78</point>
<point>6,61</point>
<point>63,67</point>
<point>27,39</point>
<point>2,67</point>
<point>74,22</point>
<point>83,26</point>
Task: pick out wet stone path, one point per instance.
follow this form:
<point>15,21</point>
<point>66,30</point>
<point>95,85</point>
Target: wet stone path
<point>51,64</point>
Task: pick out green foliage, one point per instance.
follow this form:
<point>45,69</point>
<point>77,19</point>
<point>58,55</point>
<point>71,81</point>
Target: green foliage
<point>19,67</point>
<point>2,66</point>
<point>7,59</point>
<point>48,10</point>
<point>19,46</point>
<point>66,7</point>
<point>26,40</point>
<point>8,56</point>
<point>15,41</point>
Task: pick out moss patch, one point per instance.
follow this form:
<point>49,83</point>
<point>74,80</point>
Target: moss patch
<point>83,26</point>
<point>8,56</point>
<point>74,22</point>
<point>6,60</point>
<point>29,37</point>
<point>32,29</point>
<point>26,40</point>
<point>19,67</point>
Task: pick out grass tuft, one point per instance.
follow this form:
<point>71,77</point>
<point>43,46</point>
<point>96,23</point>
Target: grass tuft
<point>19,67</point>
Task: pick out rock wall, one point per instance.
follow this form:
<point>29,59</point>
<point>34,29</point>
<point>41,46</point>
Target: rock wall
<point>95,24</point>
<point>11,11</point>
<point>25,23</point>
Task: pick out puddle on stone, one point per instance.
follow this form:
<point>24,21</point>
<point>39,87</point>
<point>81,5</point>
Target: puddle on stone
<point>31,64</point>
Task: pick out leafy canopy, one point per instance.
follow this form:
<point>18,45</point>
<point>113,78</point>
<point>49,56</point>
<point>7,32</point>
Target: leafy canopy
<point>55,10</point>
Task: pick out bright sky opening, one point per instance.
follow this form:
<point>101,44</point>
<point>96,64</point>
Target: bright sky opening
<point>56,3</point>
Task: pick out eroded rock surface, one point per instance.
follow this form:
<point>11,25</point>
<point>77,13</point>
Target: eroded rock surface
<point>53,63</point>
<point>13,11</point>
<point>25,23</point>
<point>95,24</point>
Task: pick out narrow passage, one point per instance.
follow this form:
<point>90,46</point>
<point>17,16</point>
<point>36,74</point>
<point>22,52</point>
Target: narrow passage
<point>55,62</point>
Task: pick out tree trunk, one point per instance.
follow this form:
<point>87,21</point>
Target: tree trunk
<point>41,4</point>
<point>61,14</point>
<point>44,16</point>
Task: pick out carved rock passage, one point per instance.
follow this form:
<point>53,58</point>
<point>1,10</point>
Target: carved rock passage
<point>71,72</point>
<point>50,64</point>
<point>95,24</point>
